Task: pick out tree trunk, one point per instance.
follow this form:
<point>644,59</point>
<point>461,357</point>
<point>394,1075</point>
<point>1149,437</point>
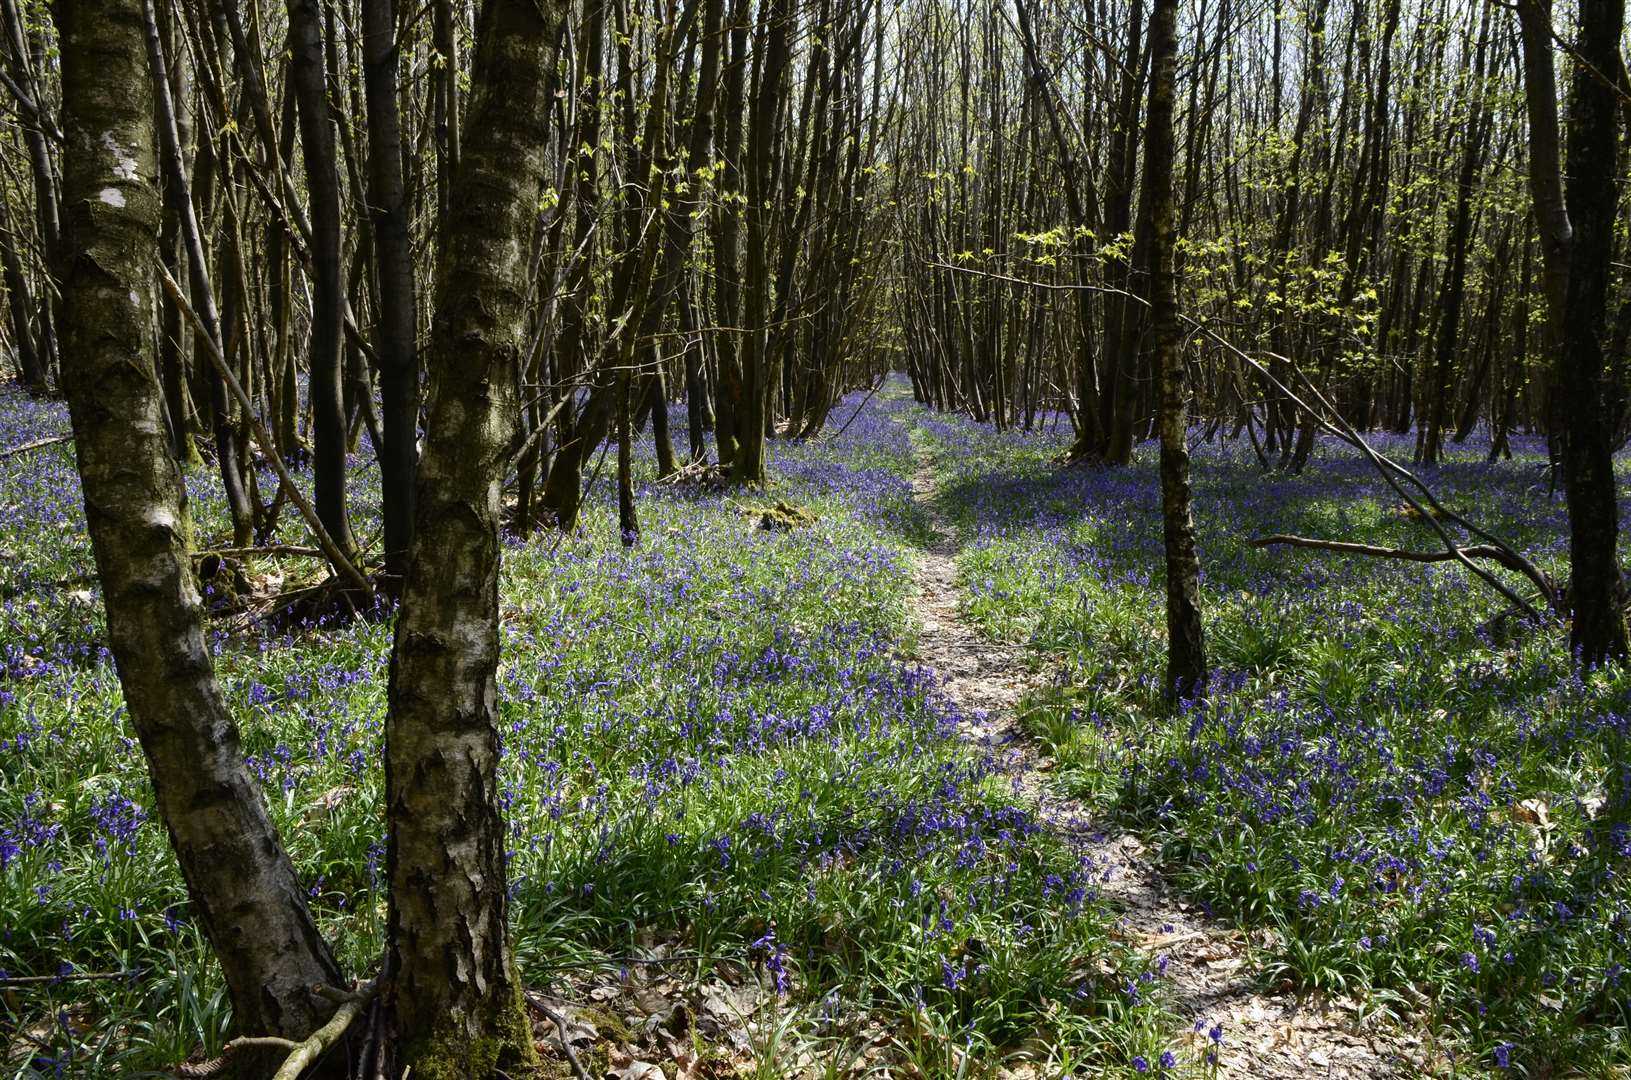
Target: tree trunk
<point>228,444</point>
<point>398,289</point>
<point>328,283</point>
<point>243,888</point>
<point>753,414</point>
<point>1455,275</point>
<point>29,365</point>
<point>1593,154</point>
<point>727,242</point>
<point>1545,169</point>
<point>452,998</point>
<point>46,206</point>
<point>1186,644</point>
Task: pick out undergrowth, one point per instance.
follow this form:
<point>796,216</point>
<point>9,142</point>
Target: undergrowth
<point>1429,813</point>
<point>708,737</point>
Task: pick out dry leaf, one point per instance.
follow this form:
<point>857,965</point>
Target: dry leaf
<point>1533,812</point>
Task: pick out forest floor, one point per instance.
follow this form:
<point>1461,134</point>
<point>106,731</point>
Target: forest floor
<point>888,787</point>
<point>1211,975</point>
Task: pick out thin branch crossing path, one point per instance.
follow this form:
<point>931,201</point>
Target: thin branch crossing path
<point>1211,975</point>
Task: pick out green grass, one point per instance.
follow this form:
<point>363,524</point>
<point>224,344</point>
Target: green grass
<point>708,740</point>
<point>1432,820</point>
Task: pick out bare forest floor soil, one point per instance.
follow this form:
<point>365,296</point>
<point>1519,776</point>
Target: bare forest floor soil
<point>1211,974</point>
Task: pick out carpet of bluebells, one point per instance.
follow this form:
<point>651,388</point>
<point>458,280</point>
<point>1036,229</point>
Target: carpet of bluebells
<point>711,736</point>
<point>1427,811</point>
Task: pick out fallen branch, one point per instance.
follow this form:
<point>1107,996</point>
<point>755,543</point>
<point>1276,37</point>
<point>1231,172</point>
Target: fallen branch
<point>696,472</point>
<point>1395,475</point>
<point>72,976</point>
<point>859,407</point>
<point>343,566</point>
<point>565,1037</point>
<point>15,451</point>
<point>304,1052</point>
<point>1474,551</point>
<point>288,550</point>
<point>1392,473</point>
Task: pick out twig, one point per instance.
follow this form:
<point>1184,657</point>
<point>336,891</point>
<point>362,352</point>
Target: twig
<point>270,549</point>
<point>565,1037</point>
<point>306,1052</point>
<point>342,565</point>
<point>859,407</point>
<point>262,1042</point>
<point>74,976</point>
<point>14,451</point>
<point>1474,551</point>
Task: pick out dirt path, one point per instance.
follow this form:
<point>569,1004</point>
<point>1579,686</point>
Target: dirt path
<point>1209,968</point>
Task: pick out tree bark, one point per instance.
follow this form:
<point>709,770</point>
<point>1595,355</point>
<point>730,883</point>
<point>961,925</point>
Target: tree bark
<point>398,289</point>
<point>451,994</point>
<point>1455,276</point>
<point>46,203</point>
<point>328,284</point>
<point>228,444</point>
<point>243,888</point>
<point>1186,643</point>
<point>1593,154</point>
<point>727,241</point>
<point>753,414</point>
<point>1545,169</point>
<point>29,366</point>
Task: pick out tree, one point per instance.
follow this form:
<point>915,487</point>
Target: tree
<point>243,888</point>
<point>398,286</point>
<point>1186,643</point>
<point>1591,188</point>
<point>752,414</point>
<point>306,76</point>
<point>17,303</point>
<point>451,993</point>
<point>178,192</point>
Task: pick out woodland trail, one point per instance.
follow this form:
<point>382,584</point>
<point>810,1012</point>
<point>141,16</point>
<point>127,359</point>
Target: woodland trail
<point>1210,972</point>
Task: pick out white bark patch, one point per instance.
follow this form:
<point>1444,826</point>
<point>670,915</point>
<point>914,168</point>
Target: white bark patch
<point>124,162</point>
<point>160,517</point>
<point>112,197</point>
<point>135,300</point>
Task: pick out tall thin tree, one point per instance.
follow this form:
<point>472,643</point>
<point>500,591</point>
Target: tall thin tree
<point>1186,642</point>
<point>1592,191</point>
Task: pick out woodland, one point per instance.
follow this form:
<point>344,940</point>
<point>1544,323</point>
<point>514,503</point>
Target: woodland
<point>696,539</point>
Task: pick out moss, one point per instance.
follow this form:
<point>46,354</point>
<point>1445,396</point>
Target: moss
<point>782,517</point>
<point>506,1051</point>
<point>610,1031</point>
<point>609,1026</point>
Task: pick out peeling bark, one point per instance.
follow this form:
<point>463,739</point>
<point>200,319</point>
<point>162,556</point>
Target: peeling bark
<point>244,890</point>
<point>450,991</point>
